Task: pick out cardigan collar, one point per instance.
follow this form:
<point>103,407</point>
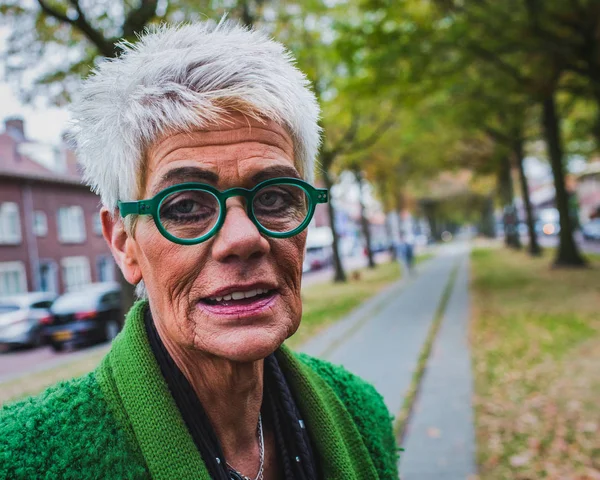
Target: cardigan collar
<point>135,389</point>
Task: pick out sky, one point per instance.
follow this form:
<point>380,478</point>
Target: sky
<point>42,122</point>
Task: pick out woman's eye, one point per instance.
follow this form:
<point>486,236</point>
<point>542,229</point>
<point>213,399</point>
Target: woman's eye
<point>269,199</point>
<point>190,206</point>
<point>185,206</point>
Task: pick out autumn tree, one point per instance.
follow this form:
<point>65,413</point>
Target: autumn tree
<point>506,36</point>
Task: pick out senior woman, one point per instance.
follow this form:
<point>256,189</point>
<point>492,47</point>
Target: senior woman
<point>201,141</point>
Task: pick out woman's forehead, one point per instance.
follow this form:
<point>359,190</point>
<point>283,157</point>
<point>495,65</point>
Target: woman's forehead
<point>231,151</point>
<point>232,129</point>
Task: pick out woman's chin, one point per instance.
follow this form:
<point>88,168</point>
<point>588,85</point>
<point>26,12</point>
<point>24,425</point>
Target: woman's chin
<point>245,346</point>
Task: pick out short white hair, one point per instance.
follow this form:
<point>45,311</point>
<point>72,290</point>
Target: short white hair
<point>184,78</point>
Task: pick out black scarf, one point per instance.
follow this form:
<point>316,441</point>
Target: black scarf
<point>295,453</point>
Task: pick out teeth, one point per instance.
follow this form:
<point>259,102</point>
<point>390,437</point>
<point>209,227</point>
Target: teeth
<point>240,295</point>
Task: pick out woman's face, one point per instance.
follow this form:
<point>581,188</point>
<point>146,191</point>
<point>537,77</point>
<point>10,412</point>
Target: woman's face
<point>184,283</point>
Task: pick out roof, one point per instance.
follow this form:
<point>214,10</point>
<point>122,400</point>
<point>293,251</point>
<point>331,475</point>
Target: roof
<point>15,163</point>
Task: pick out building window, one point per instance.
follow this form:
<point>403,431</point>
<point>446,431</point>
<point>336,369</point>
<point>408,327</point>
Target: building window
<point>76,272</point>
<point>12,278</point>
<point>40,223</point>
<point>106,268</point>
<point>71,225</point>
<point>10,224</point>
<point>48,280</point>
<point>97,225</point>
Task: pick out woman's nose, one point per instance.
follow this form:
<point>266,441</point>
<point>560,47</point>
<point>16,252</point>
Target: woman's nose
<point>238,237</point>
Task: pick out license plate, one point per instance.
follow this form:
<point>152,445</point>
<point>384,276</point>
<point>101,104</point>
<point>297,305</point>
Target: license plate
<point>62,336</point>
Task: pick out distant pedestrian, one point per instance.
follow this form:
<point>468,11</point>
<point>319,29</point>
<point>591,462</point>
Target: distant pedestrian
<point>405,255</point>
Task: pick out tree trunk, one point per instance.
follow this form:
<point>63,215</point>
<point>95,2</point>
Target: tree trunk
<point>340,274</point>
<point>364,222</point>
<point>429,210</point>
<point>596,128</point>
<point>399,201</point>
<point>381,183</point>
<point>534,247</point>
<point>507,194</point>
<point>390,235</point>
<point>567,253</point>
<point>487,225</point>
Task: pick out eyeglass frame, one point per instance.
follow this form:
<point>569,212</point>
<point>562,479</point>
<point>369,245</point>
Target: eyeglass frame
<point>152,206</point>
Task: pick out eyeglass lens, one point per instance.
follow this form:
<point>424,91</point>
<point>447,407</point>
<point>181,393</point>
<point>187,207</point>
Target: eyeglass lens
<point>189,214</point>
<point>280,208</point>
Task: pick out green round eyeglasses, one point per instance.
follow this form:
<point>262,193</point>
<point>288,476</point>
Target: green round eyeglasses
<point>191,213</point>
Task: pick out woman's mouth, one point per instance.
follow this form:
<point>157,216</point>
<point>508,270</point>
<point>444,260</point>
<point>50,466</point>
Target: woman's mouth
<point>240,303</point>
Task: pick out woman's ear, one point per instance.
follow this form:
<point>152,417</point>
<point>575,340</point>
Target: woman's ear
<point>121,245</point>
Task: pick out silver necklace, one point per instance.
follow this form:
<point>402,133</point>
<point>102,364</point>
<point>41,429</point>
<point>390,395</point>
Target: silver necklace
<point>261,449</point>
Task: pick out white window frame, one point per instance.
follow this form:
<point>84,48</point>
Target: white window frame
<point>53,275</point>
<point>40,223</point>
<point>71,224</point>
<point>111,262</point>
<point>75,272</point>
<point>13,267</point>
<point>10,224</point>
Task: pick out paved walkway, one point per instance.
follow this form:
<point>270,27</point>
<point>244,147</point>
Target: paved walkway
<point>440,440</point>
<point>381,341</point>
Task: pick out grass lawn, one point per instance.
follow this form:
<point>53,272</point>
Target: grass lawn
<point>535,337</point>
<point>323,304</point>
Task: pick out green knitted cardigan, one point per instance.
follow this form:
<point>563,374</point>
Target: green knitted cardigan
<point>121,422</point>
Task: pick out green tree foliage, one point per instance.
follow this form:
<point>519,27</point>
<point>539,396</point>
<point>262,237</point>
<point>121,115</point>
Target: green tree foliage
<point>53,43</point>
<point>511,37</point>
<point>514,52</point>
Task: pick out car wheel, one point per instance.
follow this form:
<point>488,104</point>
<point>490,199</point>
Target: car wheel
<point>57,347</point>
<point>111,330</point>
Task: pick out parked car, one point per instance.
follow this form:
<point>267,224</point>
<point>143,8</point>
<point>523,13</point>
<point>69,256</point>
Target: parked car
<point>591,230</point>
<point>22,317</point>
<point>318,257</point>
<point>91,315</point>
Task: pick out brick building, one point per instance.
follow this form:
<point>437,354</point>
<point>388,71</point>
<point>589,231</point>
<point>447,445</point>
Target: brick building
<point>50,233</point>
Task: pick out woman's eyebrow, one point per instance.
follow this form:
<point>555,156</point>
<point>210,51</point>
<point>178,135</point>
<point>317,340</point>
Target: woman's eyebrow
<point>274,172</point>
<point>186,174</point>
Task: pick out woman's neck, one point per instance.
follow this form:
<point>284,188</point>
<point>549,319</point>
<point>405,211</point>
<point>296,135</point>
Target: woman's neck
<point>231,394</point>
